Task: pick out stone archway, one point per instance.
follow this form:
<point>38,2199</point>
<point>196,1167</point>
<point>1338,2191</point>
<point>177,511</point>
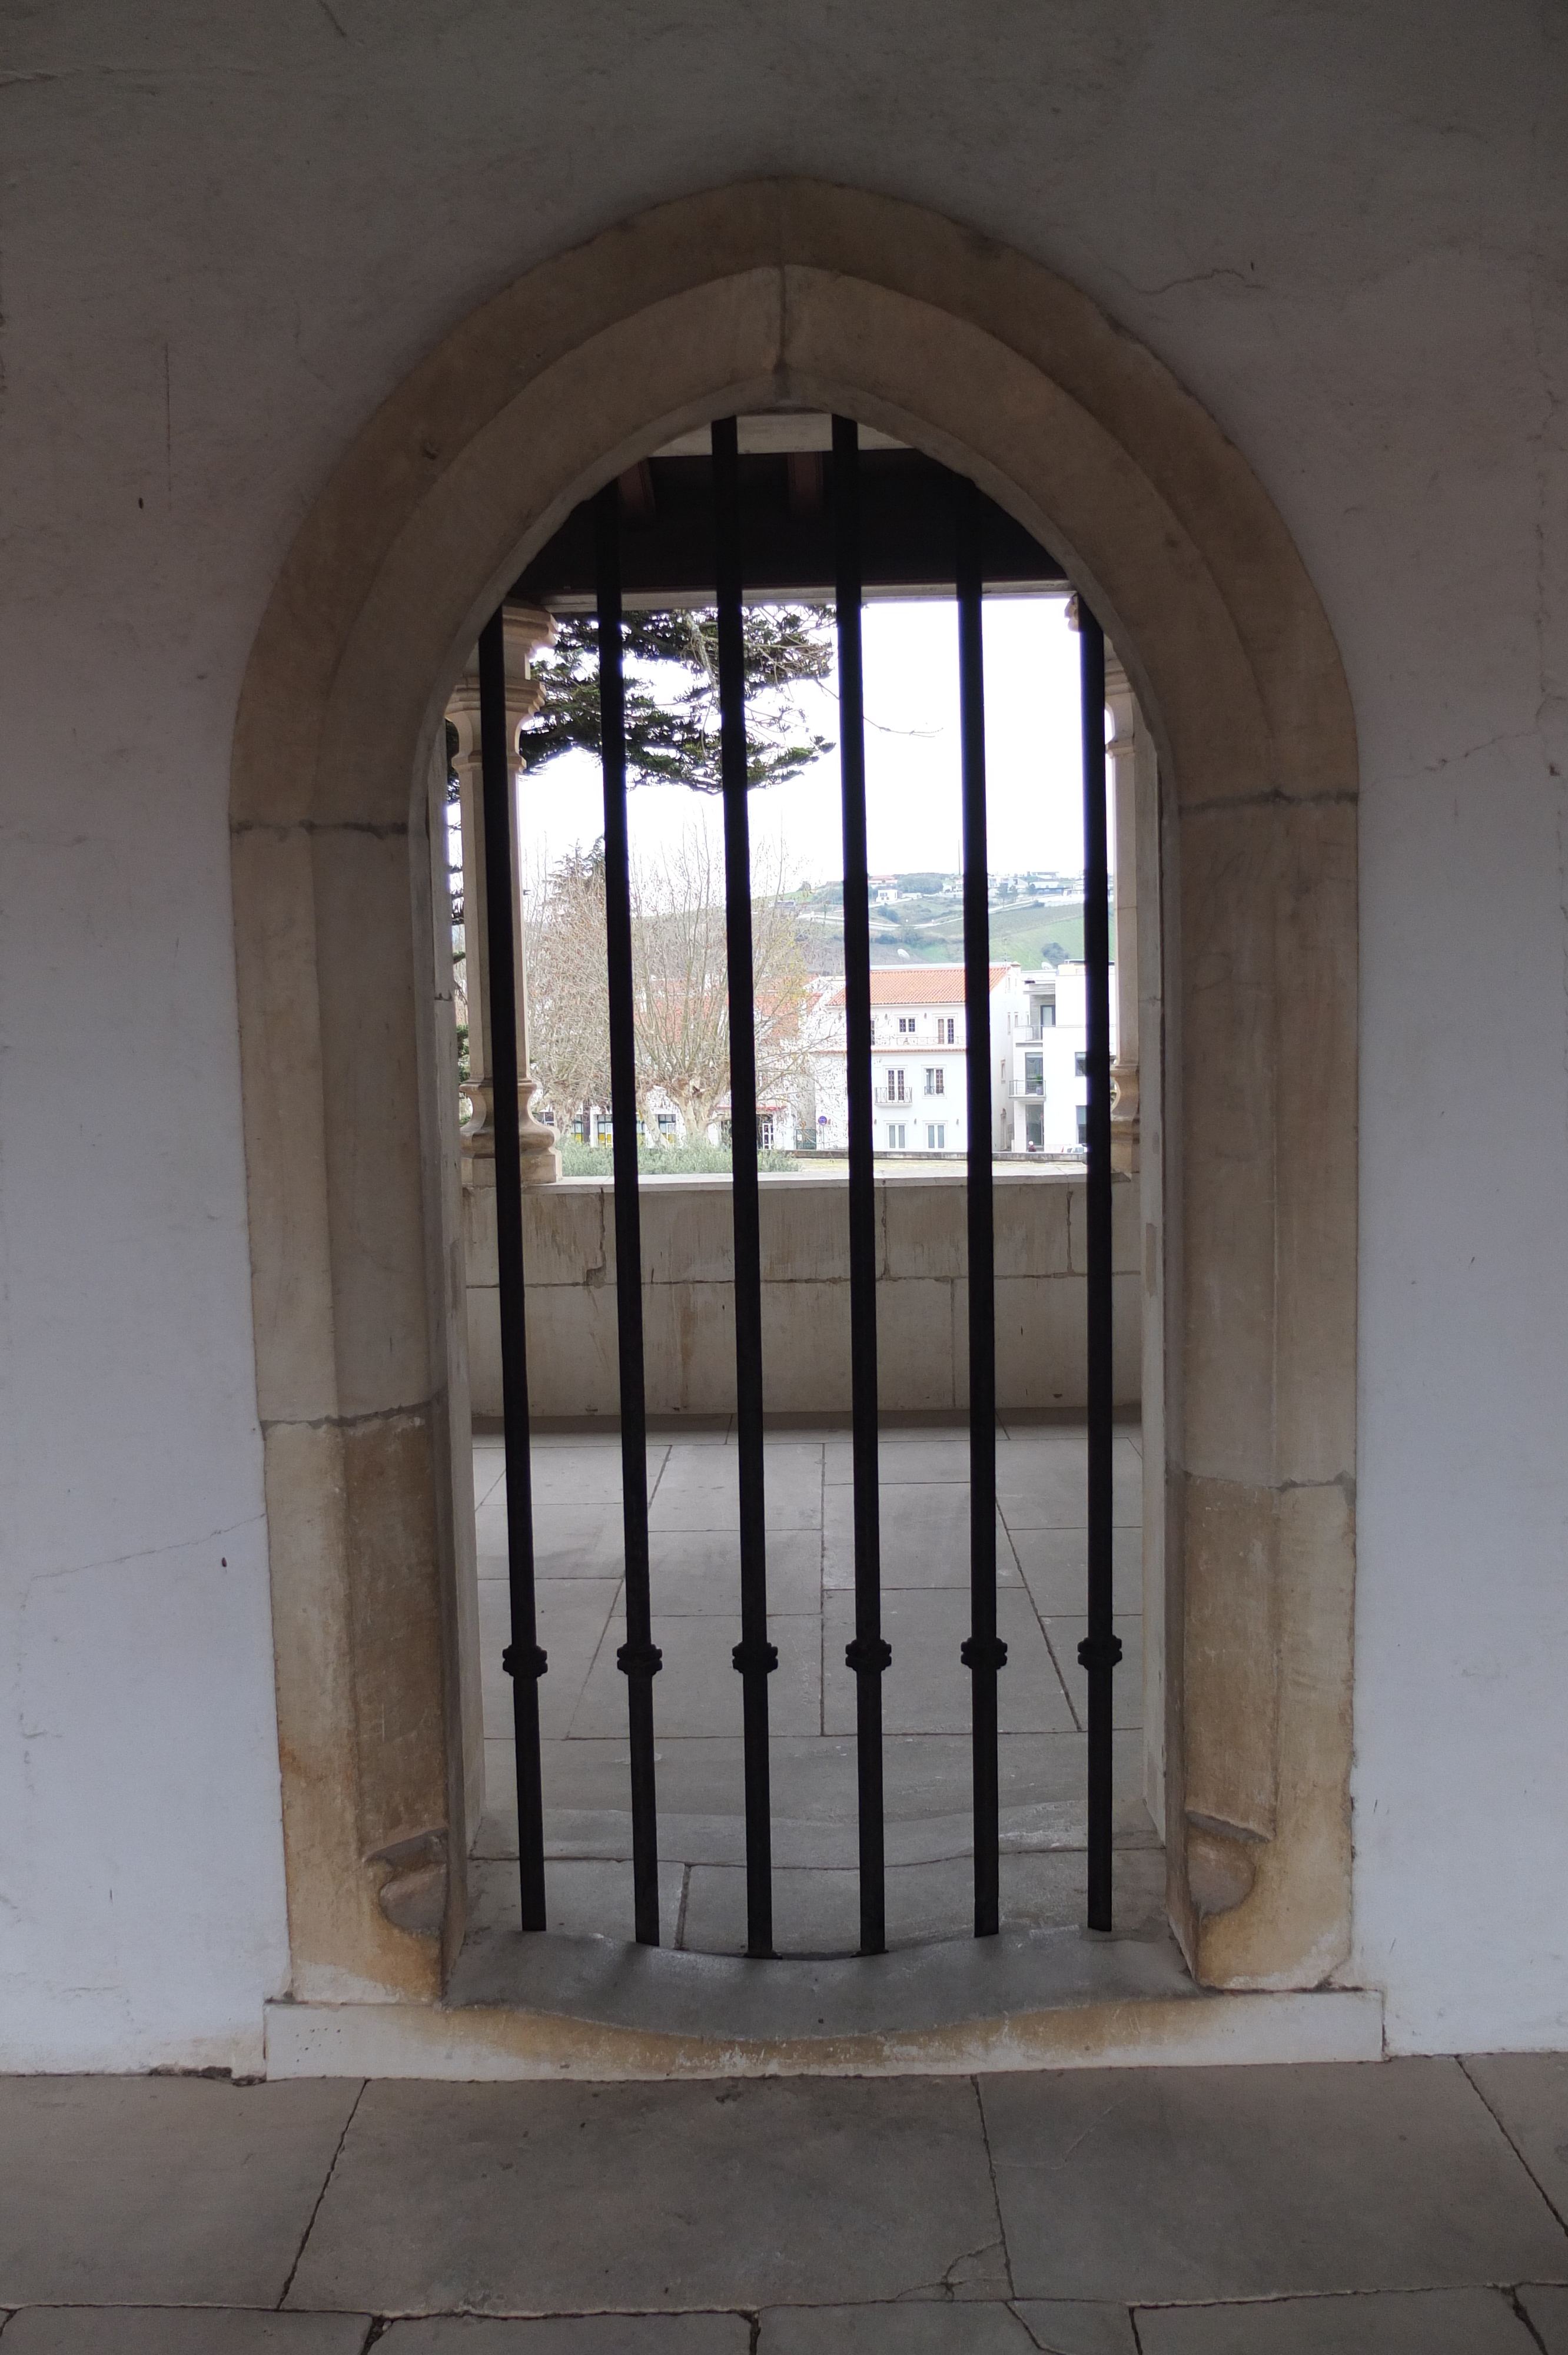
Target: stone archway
<point>746,298</point>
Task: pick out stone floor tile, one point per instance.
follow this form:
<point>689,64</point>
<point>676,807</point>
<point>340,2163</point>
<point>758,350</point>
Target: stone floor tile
<point>586,1476</point>
<point>927,1689</point>
<point>1527,2092</point>
<point>569,1540</point>
<point>1054,1567</point>
<point>490,2199</point>
<point>160,2190</point>
<point>923,1775</point>
<point>181,2330</point>
<point>695,1570</point>
<point>908,1455</point>
<point>967,2327</point>
<point>698,1690</point>
<point>573,2334</point>
<point>1045,1487</point>
<point>1387,2322</point>
<point>1548,2312</point>
<point>924,1537</point>
<point>786,1505</point>
<point>928,1803</point>
<point>1064,1634</point>
<point>788,1464</point>
<point>488,1469</point>
<point>816,1910</point>
<point>584,1897</point>
<point>1160,2184</point>
<point>1070,2327</point>
<point>926,1777</point>
<point>573,1613</point>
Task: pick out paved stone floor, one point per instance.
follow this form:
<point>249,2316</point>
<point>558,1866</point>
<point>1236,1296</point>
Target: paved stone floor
<point>693,1521</point>
<point>1409,2209</point>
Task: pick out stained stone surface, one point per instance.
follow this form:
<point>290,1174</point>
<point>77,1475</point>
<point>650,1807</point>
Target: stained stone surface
<point>159,2190</point>
<point>1547,2308</point>
<point>1261,2182</point>
<point>1397,2322</point>
<point>694,1577</point>
<point>580,2334</point>
<point>1527,2092</point>
<point>182,2330</point>
<point>1296,2210</point>
<point>508,2199</point>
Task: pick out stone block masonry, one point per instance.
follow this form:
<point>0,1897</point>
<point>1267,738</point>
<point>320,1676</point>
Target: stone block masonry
<point>570,1253</point>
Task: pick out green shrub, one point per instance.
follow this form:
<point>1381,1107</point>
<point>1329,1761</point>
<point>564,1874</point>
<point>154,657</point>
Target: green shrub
<point>580,1161</point>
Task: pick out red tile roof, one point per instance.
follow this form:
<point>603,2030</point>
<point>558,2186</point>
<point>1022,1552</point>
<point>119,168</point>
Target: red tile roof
<point>920,984</point>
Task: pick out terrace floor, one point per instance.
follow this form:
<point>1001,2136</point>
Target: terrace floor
<point>693,1519</point>
<point>1413,2208</point>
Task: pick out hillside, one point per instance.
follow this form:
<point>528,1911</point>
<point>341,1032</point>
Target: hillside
<point>930,930</point>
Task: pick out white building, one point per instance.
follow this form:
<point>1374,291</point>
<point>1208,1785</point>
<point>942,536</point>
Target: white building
<point>1048,1091</point>
<point>920,1052</point>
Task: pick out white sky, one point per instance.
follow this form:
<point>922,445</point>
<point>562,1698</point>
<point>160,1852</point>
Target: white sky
<point>911,664</point>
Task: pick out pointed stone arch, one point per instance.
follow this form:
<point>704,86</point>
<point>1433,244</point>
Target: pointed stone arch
<point>769,293</point>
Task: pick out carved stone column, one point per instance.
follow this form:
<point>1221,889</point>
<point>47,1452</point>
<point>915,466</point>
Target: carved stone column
<point>526,627</point>
<point>1121,753</point>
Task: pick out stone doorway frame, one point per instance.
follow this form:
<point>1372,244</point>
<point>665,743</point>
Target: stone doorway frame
<point>749,297</point>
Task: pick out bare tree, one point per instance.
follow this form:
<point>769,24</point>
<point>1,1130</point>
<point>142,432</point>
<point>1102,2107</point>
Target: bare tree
<point>681,998</point>
<point>681,987</point>
<point>568,993</point>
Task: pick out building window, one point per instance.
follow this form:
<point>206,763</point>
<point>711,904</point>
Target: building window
<point>666,1124</point>
<point>1047,1014</point>
<point>1034,1075</point>
<point>895,1136</point>
<point>765,1131</point>
<point>936,1080</point>
<point>1081,1065</point>
<point>1083,1123</point>
<point>895,1087</point>
<point>907,1025</point>
<point>937,1137</point>
<point>945,1031</point>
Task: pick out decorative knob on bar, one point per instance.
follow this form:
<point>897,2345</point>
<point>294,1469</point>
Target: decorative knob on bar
<point>868,1655</point>
<point>1100,1656</point>
<point>515,1660</point>
<point>984,1652</point>
<point>639,1659</point>
<point>749,1657</point>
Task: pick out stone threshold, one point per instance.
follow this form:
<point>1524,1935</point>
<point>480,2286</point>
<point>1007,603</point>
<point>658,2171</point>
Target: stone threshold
<point>554,2007</point>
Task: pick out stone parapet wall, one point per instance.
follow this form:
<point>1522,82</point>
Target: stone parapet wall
<point>688,1295</point>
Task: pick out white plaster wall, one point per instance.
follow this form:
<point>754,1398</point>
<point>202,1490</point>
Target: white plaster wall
<point>225,231</point>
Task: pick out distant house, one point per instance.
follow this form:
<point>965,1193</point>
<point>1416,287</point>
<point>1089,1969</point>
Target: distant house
<point>919,1054</point>
<point>1048,1091</point>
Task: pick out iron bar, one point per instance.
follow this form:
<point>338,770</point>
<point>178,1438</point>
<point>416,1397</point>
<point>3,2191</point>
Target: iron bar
<point>755,1657</point>
<point>639,1657</point>
<point>1101,1647</point>
<point>869,1655</point>
<point>522,1661</point>
<point>984,1653</point>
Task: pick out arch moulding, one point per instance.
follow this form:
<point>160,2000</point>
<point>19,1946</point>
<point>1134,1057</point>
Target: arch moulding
<point>774,294</point>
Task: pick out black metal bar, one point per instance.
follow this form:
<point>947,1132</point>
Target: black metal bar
<point>1101,1648</point>
<point>522,1661</point>
<point>638,1658</point>
<point>869,1655</point>
<point>754,1656</point>
<point>983,1653</point>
